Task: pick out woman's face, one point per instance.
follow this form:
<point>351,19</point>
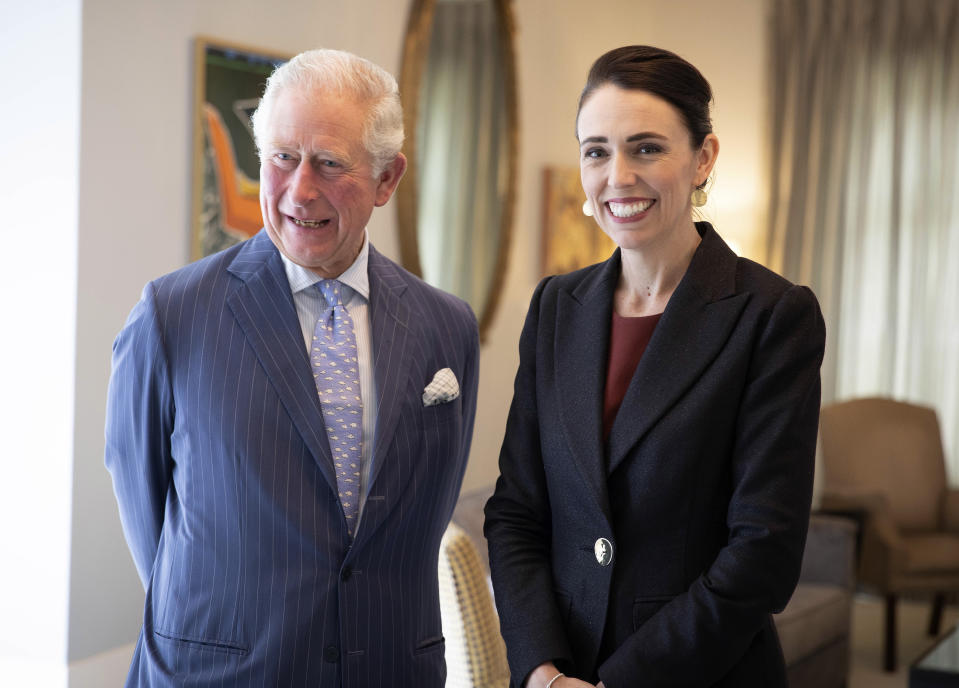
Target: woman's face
<point>638,167</point>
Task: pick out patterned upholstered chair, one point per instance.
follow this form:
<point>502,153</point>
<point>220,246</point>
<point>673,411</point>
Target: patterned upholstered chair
<point>883,461</point>
<point>475,653</point>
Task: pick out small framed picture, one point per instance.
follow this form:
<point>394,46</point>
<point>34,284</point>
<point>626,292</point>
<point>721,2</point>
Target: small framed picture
<point>229,80</point>
<point>571,240</point>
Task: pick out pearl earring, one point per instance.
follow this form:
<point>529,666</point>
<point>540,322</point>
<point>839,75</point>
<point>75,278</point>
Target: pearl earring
<point>698,198</point>
<point>587,208</point>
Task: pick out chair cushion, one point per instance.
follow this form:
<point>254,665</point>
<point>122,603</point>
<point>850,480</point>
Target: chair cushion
<point>931,553</point>
<point>816,615</point>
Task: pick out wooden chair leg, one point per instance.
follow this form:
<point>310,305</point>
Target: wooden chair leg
<point>889,663</point>
<point>935,617</point>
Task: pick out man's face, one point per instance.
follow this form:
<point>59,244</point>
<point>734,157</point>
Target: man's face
<point>317,188</point>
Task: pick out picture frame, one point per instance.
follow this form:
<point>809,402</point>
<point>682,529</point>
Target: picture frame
<point>570,239</point>
<point>228,83</point>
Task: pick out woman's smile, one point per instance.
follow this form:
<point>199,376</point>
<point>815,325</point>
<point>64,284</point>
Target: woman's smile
<point>629,209</point>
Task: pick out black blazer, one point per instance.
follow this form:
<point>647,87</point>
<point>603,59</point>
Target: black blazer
<point>703,488</point>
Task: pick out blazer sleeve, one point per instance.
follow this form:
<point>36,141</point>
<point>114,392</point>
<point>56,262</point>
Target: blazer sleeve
<point>139,422</point>
<point>698,636</point>
<point>518,527</point>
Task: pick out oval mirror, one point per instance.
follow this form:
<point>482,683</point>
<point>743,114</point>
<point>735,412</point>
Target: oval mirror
<point>455,203</point>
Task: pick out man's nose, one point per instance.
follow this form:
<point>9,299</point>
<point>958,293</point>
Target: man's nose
<point>304,187</point>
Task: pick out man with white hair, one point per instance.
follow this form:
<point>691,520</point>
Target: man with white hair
<point>289,420</point>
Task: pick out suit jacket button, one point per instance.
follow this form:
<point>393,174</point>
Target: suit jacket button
<point>346,573</point>
<point>331,654</point>
<point>603,549</point>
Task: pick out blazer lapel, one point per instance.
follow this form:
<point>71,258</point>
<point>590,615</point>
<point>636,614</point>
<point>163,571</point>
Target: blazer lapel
<point>264,309</point>
<point>694,327</point>
<point>392,349</point>
<point>581,350</point>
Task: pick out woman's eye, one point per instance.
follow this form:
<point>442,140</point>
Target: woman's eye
<point>649,149</point>
<point>594,153</point>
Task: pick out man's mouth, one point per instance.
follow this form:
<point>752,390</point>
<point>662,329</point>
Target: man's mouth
<point>623,210</point>
<point>309,224</point>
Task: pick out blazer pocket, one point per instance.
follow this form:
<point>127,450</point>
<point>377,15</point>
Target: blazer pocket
<point>646,607</point>
<point>202,644</point>
<point>443,413</point>
<point>431,644</point>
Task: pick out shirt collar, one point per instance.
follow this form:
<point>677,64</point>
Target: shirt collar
<point>356,277</point>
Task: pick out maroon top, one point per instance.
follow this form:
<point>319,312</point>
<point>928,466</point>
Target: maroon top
<point>628,338</point>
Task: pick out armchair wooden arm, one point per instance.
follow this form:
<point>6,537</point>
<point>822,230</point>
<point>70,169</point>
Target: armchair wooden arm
<point>950,511</point>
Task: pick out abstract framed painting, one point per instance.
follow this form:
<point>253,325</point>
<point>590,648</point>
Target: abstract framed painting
<point>229,81</point>
<point>571,240</point>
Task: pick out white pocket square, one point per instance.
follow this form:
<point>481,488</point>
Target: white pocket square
<point>442,389</point>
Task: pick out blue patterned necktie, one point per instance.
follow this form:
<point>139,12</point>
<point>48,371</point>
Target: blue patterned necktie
<point>337,377</point>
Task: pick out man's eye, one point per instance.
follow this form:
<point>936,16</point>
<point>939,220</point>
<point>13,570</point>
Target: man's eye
<point>329,163</point>
<point>283,156</point>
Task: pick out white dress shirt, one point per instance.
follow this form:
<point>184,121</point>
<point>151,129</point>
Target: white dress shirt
<point>310,304</point>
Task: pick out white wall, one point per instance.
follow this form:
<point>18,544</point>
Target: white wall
<point>38,292</point>
<point>132,224</point>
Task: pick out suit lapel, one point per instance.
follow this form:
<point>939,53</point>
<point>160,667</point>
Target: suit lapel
<point>392,349</point>
<point>694,327</point>
<point>263,308</point>
<point>581,350</point>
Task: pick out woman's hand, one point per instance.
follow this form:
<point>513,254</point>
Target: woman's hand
<point>542,675</point>
<point>567,682</point>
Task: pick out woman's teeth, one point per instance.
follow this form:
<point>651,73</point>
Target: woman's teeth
<point>628,209</point>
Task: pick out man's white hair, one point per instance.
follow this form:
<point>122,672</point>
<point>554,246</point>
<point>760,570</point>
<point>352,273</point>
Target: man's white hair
<point>341,73</point>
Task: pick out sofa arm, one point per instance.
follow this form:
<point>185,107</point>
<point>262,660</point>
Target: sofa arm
<point>830,555</point>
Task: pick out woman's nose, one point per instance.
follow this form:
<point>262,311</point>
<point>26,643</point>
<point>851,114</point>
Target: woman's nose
<point>621,173</point>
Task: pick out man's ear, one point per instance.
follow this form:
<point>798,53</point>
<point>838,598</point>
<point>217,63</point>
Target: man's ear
<point>389,178</point>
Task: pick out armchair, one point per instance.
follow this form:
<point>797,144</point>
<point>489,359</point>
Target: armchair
<point>475,653</point>
<point>882,460</point>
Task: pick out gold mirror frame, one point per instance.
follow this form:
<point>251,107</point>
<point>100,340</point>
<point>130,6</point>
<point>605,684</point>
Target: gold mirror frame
<point>415,49</point>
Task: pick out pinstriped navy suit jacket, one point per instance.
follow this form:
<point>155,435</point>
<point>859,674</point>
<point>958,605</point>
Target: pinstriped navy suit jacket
<point>227,493</point>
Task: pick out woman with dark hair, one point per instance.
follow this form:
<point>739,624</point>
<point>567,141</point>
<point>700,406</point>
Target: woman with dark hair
<point>656,473</point>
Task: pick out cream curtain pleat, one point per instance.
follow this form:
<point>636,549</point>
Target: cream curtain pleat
<point>864,181</point>
<point>462,137</point>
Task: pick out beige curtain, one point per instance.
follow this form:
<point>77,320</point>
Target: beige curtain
<point>462,139</point>
<point>864,188</point>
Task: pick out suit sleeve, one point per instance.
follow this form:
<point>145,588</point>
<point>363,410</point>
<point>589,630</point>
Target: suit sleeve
<point>139,421</point>
<point>469,390</point>
<point>518,527</point>
<point>698,636</point>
